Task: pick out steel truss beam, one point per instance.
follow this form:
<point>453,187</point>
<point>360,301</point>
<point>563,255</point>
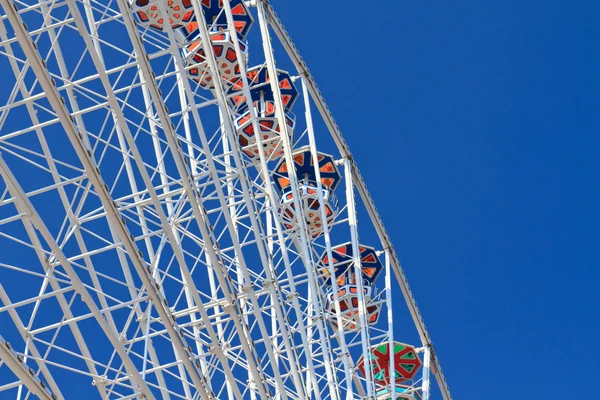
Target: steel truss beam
<point>26,375</point>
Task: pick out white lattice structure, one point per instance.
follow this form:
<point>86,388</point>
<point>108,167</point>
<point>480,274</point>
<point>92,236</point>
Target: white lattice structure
<point>142,252</point>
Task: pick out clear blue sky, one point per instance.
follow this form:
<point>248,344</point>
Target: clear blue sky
<point>483,119</point>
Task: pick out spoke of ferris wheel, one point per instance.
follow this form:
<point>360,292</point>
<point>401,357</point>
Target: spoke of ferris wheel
<point>25,374</point>
<point>319,101</point>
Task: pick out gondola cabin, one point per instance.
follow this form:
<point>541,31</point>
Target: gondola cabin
<point>404,363</point>
<point>312,208</point>
<point>264,104</point>
<point>216,18</point>
<point>227,61</point>
<point>268,128</point>
<point>342,260</point>
<point>348,296</point>
<point>178,13</point>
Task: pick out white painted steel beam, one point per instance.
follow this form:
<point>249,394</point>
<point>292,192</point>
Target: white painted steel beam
<point>341,335</point>
<point>26,335</point>
<point>26,374</point>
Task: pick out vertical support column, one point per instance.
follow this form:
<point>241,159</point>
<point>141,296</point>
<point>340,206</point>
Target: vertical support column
<point>227,150</point>
<point>216,311</point>
<point>366,345</point>
<point>287,147</point>
<point>194,170</point>
<point>309,335</point>
<point>334,285</point>
<point>270,246</point>
<point>272,201</point>
<point>390,315</point>
<point>426,371</point>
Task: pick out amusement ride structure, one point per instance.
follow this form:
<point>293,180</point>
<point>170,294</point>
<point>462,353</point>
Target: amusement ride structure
<point>171,229</point>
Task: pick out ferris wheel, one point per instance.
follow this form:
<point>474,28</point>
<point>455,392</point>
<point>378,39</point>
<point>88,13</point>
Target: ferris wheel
<point>179,216</point>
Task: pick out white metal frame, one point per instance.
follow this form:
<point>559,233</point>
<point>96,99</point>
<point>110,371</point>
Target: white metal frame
<point>165,257</point>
